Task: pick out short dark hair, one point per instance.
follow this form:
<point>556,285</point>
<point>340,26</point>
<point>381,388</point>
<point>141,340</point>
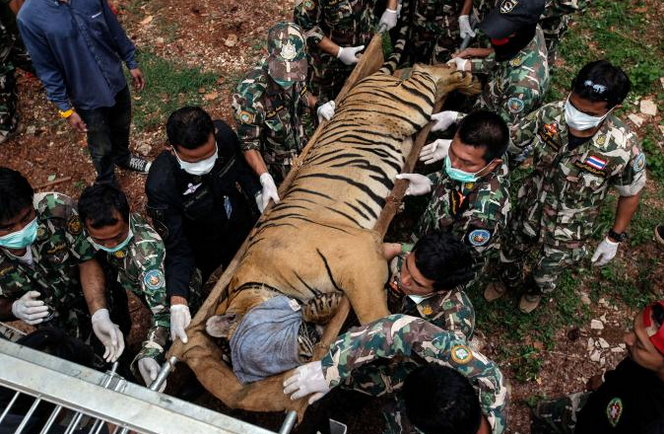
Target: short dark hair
<point>98,204</point>
<point>16,194</point>
<point>440,399</point>
<point>601,81</point>
<point>189,127</point>
<point>658,314</point>
<point>483,128</point>
<point>443,258</point>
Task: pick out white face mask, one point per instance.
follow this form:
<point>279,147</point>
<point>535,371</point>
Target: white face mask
<point>579,120</point>
<point>201,167</point>
<point>418,298</point>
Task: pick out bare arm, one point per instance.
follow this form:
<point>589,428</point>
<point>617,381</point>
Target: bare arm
<point>326,44</point>
<point>255,161</point>
<point>392,4</point>
<point>467,6</point>
<point>390,250</point>
<point>627,206</point>
<point>6,308</point>
<point>94,285</point>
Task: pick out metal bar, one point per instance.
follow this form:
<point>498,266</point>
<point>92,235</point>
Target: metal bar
<point>115,431</point>
<point>163,373</point>
<point>11,403</point>
<point>73,425</point>
<point>51,419</point>
<point>27,416</point>
<point>289,422</point>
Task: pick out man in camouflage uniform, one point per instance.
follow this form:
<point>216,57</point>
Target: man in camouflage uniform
<point>517,65</point>
<point>427,279</point>
<point>336,31</point>
<point>555,20</point>
<point>12,54</point>
<point>404,343</point>
<point>269,105</point>
<point>136,252</point>
<point>470,197</point>
<point>580,149</point>
<point>46,264</point>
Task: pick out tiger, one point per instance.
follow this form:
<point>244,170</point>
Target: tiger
<point>319,239</point>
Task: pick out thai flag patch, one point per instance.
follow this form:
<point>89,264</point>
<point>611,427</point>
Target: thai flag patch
<point>595,163</point>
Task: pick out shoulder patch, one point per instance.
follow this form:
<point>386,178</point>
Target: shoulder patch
<point>639,163</point>
<point>154,279</point>
<point>614,411</point>
<point>74,225</point>
<point>479,237</point>
<point>461,354</point>
<point>246,117</point>
<point>515,105</point>
<point>42,233</point>
<point>516,61</point>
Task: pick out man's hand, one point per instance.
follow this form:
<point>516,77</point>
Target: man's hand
<point>307,379</point>
<point>180,319</point>
<point>29,309</point>
<point>606,251</point>
<point>443,120</point>
<point>459,63</point>
<point>594,382</point>
<point>388,19</point>
<point>138,79</point>
<point>77,123</point>
<point>470,53</point>
<point>464,27</point>
<point>326,111</point>
<point>348,55</point>
<point>435,151</point>
<point>269,190</point>
<point>149,369</point>
<point>109,334</point>
<point>419,184</point>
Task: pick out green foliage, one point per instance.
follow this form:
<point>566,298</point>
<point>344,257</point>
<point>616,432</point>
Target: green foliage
<point>168,87</point>
<point>655,157</point>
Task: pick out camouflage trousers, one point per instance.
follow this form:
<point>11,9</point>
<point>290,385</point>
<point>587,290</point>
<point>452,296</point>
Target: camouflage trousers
<point>432,51</point>
<point>554,28</point>
<point>327,75</point>
<point>8,94</point>
<point>558,416</point>
<point>553,258</point>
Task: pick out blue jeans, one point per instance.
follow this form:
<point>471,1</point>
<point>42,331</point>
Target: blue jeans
<point>108,135</point>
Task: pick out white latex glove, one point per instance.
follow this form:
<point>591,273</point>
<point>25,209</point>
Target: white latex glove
<point>149,368</point>
<point>459,63</point>
<point>464,27</point>
<point>109,334</point>
<point>29,309</point>
<point>443,120</point>
<point>348,55</point>
<point>419,184</point>
<point>388,19</point>
<point>269,190</point>
<point>259,201</point>
<point>435,151</point>
<point>326,111</point>
<point>606,251</point>
<point>308,379</point>
<point>180,319</point>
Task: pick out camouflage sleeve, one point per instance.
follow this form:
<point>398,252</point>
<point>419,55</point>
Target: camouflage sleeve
<point>308,15</point>
<point>522,136</point>
<point>632,179</point>
<point>484,65</point>
<point>153,289</point>
<point>401,335</point>
<point>249,118</point>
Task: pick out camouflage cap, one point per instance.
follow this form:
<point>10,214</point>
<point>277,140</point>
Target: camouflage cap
<point>287,56</point>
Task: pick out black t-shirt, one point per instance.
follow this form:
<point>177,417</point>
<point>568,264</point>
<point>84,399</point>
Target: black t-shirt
<point>630,401</point>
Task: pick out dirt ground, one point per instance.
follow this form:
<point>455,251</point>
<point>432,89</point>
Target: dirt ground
<point>225,37</point>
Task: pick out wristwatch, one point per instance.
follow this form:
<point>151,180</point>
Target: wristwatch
<point>619,237</point>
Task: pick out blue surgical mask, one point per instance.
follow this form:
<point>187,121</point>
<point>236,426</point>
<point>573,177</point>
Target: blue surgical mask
<point>21,239</point>
<point>460,175</point>
<point>120,246</point>
<point>286,84</point>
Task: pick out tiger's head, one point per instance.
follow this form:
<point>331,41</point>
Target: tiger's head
<point>448,79</point>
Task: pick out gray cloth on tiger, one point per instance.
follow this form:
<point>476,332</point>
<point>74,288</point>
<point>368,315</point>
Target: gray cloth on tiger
<point>265,343</point>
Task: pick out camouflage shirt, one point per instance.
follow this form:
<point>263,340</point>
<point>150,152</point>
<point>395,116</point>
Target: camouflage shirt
<point>402,340</point>
<point>346,22</point>
<point>449,310</point>
<point>566,188</point>
<point>140,267</point>
<point>58,249</point>
<point>269,117</point>
<point>518,85</point>
<point>475,212</point>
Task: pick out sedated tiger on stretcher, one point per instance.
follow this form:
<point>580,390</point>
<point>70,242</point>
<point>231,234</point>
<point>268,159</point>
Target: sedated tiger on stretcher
<point>319,242</point>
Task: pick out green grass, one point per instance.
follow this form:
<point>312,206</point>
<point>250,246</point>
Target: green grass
<point>169,87</point>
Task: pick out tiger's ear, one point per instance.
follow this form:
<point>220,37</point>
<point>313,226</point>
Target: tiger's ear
<point>222,326</point>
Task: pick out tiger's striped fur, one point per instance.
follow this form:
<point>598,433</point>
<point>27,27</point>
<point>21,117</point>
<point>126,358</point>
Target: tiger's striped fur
<point>319,239</point>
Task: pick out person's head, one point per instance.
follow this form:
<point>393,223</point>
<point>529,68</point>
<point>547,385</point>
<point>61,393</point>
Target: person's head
<point>598,88</point>
<point>104,210</point>
<point>645,343</point>
<point>440,399</point>
<point>439,261</point>
<point>190,133</point>
<point>478,145</point>
<point>18,224</point>
<point>287,61</point>
<point>511,26</point>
